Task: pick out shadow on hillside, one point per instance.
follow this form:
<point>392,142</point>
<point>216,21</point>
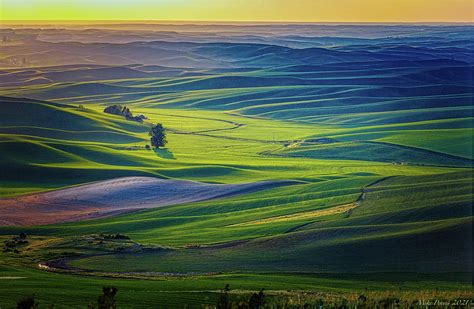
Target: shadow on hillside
<point>164,153</point>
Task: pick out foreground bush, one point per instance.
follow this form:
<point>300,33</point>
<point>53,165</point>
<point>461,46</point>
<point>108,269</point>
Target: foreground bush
<point>28,302</point>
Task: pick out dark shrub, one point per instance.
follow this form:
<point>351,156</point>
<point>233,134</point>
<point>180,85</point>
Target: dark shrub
<point>107,299</point>
<point>27,303</point>
<point>257,301</point>
<point>224,300</point>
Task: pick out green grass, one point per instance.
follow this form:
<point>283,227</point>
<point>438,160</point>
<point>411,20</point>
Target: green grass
<point>373,151</point>
<point>51,288</point>
<point>392,212</point>
<point>402,162</point>
<point>217,156</point>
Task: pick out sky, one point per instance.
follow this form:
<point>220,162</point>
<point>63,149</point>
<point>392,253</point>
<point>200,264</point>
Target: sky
<point>241,10</point>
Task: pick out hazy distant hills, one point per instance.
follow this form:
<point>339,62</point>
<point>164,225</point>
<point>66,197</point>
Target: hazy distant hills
<point>234,46</point>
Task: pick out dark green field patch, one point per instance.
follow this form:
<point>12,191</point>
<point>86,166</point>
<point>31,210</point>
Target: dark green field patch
<point>373,151</point>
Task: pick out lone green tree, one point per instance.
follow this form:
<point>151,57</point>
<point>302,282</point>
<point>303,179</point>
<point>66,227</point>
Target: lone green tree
<point>158,136</point>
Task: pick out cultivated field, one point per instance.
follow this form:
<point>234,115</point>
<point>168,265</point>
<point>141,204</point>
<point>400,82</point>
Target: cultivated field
<point>313,166</point>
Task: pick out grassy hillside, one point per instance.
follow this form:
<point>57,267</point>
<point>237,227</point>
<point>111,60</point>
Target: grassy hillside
<point>83,144</point>
<point>373,132</point>
<point>292,238</point>
<point>303,229</point>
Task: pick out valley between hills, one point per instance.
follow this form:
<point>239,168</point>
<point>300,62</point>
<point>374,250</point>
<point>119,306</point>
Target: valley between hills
<point>295,162</point>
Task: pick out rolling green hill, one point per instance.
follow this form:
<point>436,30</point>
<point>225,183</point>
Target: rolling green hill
<point>341,168</point>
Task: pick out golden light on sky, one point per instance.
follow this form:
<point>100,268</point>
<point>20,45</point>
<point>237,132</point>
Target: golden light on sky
<point>242,10</point>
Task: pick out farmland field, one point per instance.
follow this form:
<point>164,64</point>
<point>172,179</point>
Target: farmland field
<point>300,158</point>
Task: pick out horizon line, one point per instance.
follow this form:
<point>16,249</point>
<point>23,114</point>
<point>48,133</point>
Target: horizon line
<point>151,21</point>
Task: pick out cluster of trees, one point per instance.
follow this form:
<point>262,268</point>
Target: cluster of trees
<point>157,132</point>
<point>125,112</point>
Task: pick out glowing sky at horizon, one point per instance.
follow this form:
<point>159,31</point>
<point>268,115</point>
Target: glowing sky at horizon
<point>242,10</point>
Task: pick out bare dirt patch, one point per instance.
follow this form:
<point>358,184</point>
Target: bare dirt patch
<point>116,196</point>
